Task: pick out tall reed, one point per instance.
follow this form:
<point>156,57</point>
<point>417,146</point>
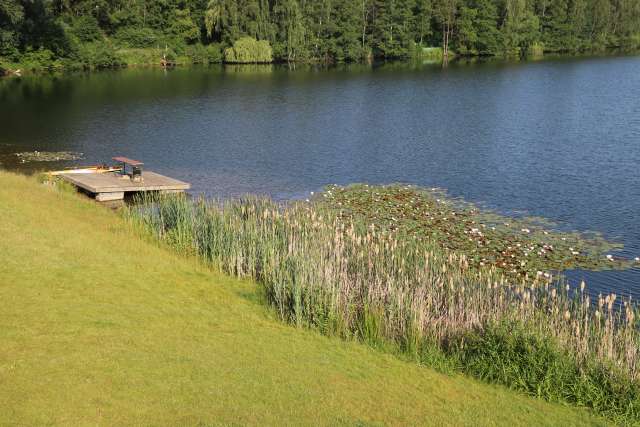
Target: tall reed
<point>352,280</point>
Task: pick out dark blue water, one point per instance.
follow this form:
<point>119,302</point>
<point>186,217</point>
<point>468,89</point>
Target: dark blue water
<point>558,139</point>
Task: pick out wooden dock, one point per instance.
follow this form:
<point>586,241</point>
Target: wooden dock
<point>113,186</point>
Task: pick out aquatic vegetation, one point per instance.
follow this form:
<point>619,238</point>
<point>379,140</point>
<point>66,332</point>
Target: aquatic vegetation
<point>48,156</point>
<point>387,285</point>
<point>515,246</point>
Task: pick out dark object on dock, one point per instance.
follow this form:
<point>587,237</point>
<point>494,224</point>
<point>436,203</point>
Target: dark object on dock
<point>112,185</point>
<point>136,168</point>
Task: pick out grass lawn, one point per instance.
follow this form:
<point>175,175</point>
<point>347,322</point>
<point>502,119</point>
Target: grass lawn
<point>98,326</point>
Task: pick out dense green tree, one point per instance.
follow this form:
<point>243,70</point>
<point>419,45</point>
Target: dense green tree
<point>11,17</point>
<point>312,30</point>
<point>183,27</point>
<point>556,29</point>
<point>446,13</point>
<point>423,16</point>
<point>520,28</point>
<point>291,35</point>
<point>393,26</point>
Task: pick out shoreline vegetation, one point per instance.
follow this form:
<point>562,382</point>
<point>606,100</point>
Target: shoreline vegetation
<point>126,332</point>
<point>41,35</point>
<point>411,272</point>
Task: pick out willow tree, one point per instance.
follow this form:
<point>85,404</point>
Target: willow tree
<point>213,17</point>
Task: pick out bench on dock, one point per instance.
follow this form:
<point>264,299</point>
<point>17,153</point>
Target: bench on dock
<point>136,167</point>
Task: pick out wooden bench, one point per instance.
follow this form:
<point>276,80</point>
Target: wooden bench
<point>136,167</point>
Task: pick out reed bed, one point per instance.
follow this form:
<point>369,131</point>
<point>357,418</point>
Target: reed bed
<point>354,280</point>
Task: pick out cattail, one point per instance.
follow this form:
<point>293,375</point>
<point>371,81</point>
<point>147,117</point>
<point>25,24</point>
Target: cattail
<point>314,266</point>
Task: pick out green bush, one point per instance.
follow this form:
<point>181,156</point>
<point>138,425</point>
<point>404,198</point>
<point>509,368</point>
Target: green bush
<point>137,37</point>
<point>39,60</point>
<point>431,53</point>
<point>86,29</point>
<point>214,53</point>
<point>510,355</point>
<point>197,54</point>
<point>99,56</point>
<point>139,56</point>
<point>248,50</point>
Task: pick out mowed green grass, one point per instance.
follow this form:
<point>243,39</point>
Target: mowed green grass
<point>100,327</point>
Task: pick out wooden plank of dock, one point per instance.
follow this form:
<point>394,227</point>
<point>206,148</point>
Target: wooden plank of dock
<point>112,186</point>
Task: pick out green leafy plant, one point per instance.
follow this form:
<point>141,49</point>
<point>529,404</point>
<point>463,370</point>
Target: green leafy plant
<point>248,50</point>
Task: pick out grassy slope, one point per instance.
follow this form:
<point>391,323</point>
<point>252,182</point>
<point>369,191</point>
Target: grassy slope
<point>99,327</point>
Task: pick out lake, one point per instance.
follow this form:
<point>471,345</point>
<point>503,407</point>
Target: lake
<point>554,138</point>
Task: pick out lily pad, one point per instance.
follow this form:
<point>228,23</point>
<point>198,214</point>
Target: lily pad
<point>515,246</point>
<point>48,156</point>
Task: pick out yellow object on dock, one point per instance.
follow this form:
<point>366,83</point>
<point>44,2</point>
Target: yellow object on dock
<point>84,170</point>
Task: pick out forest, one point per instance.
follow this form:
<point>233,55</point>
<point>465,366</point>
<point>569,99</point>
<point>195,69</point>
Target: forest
<point>46,34</point>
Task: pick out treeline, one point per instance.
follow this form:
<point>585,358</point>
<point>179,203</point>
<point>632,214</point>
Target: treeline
<point>99,33</point>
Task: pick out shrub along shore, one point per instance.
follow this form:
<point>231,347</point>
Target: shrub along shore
<point>376,264</point>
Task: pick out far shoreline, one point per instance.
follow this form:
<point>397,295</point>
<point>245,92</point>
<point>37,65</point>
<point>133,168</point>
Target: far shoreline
<point>19,71</point>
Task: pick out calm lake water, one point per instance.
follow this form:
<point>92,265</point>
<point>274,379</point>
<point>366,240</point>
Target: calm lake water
<point>556,138</point>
